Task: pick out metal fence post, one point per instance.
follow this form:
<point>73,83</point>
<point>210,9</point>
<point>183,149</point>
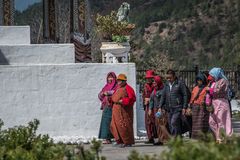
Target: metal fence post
<point>238,78</point>
<point>196,69</point>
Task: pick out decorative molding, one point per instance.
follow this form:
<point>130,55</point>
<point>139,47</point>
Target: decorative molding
<point>74,15</point>
<point>81,16</point>
<point>8,12</point>
<point>63,21</point>
<point>52,19</point>
<point>12,11</point>
<point>49,16</point>
<point>1,12</point>
<point>45,19</point>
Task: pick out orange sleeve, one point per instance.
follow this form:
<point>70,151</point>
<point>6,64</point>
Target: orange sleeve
<point>201,98</point>
<point>194,93</point>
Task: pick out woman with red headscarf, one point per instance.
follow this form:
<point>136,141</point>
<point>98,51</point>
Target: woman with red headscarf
<point>149,119</point>
<point>105,98</point>
<point>161,118</point>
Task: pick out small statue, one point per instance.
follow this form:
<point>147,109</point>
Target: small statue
<point>123,12</point>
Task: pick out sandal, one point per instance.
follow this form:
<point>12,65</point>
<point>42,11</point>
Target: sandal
<point>219,141</point>
<point>106,142</point>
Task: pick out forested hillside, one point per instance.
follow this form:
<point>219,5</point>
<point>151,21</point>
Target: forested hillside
<point>189,32</point>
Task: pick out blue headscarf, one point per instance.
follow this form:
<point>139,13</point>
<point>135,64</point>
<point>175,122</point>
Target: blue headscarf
<point>217,73</point>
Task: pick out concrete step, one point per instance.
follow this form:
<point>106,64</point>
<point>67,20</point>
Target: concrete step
<point>14,35</point>
<point>37,54</point>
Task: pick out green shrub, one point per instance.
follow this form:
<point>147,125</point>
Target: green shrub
<point>22,143</point>
<point>200,150</point>
<point>180,149</point>
<point>119,39</point>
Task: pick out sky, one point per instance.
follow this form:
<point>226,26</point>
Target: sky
<point>21,5</point>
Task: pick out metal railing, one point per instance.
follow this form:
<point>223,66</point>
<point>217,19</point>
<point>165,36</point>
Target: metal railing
<point>189,76</point>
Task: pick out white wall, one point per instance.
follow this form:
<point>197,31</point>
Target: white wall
<point>37,53</point>
<point>63,97</point>
<point>14,35</point>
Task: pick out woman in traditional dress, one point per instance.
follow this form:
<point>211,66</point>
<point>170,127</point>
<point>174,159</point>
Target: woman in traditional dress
<point>149,119</point>
<point>161,120</point>
<point>221,116</point>
<point>122,114</point>
<point>105,97</point>
<point>200,115</point>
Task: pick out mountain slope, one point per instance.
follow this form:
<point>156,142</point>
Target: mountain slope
<point>190,32</point>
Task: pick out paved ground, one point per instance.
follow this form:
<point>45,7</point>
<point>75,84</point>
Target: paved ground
<point>114,153</point>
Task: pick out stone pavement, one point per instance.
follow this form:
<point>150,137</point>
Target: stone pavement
<point>115,153</point>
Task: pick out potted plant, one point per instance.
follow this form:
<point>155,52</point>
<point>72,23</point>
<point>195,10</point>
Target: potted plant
<point>110,28</point>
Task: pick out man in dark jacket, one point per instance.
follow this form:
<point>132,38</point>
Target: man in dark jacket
<point>175,100</point>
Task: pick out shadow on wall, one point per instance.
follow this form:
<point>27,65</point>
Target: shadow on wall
<point>3,60</point>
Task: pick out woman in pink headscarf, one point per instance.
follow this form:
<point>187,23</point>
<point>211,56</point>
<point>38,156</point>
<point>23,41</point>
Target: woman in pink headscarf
<point>105,97</point>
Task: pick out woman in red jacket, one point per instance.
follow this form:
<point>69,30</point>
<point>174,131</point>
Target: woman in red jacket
<point>149,119</point>
<point>122,113</point>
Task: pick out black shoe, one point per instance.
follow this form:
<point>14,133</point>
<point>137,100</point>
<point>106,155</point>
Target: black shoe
<point>151,141</point>
<point>127,145</point>
<point>158,144</point>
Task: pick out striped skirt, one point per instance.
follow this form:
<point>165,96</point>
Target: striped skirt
<point>104,132</point>
<point>200,124</point>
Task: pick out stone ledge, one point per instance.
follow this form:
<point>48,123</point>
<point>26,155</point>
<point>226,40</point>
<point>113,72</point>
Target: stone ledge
<point>37,54</point>
<point>14,35</point>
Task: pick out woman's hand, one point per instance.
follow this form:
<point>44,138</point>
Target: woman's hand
<point>183,111</point>
<point>120,101</point>
<point>189,112</point>
<point>146,101</point>
<point>149,112</point>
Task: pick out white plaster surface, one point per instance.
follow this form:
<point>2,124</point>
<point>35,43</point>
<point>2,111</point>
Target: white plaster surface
<point>14,35</point>
<point>112,50</point>
<point>63,97</point>
<point>235,105</point>
<point>37,53</point>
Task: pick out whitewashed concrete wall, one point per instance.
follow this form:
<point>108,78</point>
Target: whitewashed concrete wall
<point>37,54</point>
<point>235,105</point>
<point>63,97</point>
<point>14,35</point>
<point>140,113</point>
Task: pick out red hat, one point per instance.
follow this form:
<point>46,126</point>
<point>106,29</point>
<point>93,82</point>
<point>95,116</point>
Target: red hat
<point>149,74</point>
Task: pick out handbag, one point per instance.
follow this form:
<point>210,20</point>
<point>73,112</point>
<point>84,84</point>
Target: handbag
<point>208,99</point>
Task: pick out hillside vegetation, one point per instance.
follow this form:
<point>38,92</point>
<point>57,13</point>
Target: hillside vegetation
<point>189,32</point>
